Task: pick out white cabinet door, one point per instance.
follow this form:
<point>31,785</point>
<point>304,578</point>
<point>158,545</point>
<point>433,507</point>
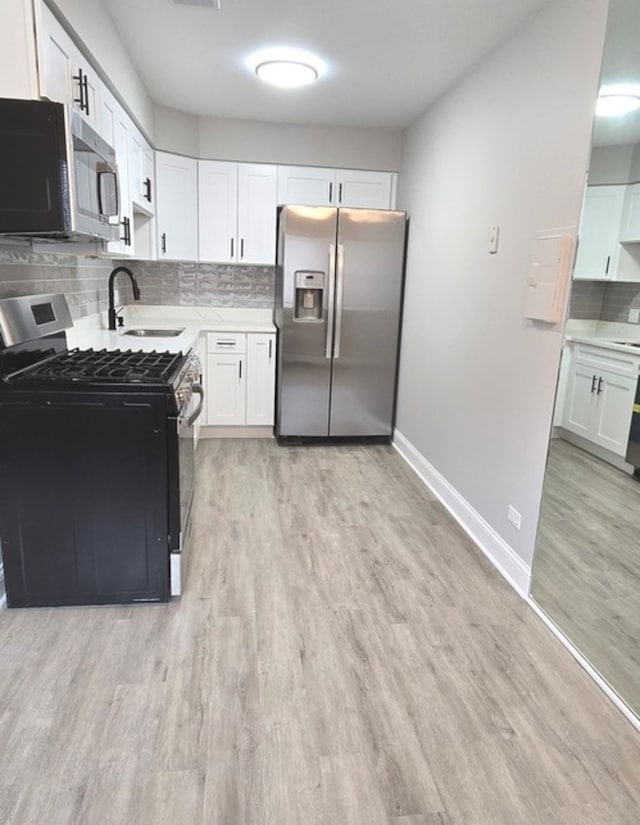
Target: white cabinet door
<point>261,362</point>
<point>55,58</point>
<point>177,207</point>
<point>64,74</point>
<point>140,171</point>
<point>366,190</point>
<point>614,410</point>
<point>306,185</point>
<point>256,213</point>
<point>599,246</point>
<point>580,401</point>
<point>217,211</point>
<point>226,403</point>
<point>124,246</point>
<point>630,228</point>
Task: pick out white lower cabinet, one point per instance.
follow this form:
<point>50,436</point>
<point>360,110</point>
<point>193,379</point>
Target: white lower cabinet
<point>261,363</point>
<point>599,401</point>
<point>240,379</point>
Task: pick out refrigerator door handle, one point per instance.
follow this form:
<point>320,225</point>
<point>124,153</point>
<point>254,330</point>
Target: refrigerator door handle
<point>331,301</point>
<point>339,297</point>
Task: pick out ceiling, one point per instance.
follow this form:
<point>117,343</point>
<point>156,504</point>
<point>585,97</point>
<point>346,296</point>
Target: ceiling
<point>386,60</point>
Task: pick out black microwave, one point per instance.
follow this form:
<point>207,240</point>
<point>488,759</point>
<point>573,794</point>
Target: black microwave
<point>58,177</point>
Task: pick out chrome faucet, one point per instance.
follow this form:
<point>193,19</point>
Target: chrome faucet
<point>136,293</point>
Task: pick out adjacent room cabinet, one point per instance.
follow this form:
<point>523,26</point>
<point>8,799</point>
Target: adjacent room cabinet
<point>315,186</point>
<point>236,212</point>
<point>599,396</point>
<point>240,375</point>
<point>599,234</point>
<point>177,207</point>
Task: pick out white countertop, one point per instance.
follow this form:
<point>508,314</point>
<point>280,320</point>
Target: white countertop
<point>193,321</point>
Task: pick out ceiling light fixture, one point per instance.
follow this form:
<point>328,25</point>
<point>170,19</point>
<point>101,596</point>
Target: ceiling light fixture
<point>615,105</point>
<point>288,74</point>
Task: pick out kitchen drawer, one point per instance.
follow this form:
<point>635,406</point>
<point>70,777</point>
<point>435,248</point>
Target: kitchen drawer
<point>235,342</point>
<point>601,358</point>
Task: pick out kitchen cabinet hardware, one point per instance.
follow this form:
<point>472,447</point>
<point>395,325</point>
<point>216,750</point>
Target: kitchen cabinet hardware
<point>330,192</point>
<point>600,382</point>
<point>83,101</point>
<point>164,242</point>
<point>240,370</point>
<point>147,189</point>
<point>606,269</point>
<point>340,193</point>
<point>270,348</point>
<point>241,248</point>
<point>232,247</point>
<point>593,384</point>
<point>126,225</point>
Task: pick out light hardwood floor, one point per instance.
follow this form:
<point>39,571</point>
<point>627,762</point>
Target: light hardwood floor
<point>342,655</point>
<point>586,575</point>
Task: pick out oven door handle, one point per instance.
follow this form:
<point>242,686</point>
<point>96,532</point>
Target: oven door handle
<point>199,390</point>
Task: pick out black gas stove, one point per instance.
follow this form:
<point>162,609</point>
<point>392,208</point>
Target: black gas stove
<point>96,463</point>
<point>105,367</point>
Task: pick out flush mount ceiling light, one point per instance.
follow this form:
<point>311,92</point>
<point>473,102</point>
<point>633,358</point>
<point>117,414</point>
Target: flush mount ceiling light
<point>287,74</point>
<point>617,104</point>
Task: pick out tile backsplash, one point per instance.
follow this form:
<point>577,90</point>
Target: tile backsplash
<point>601,301</point>
<point>179,283</point>
<point>84,280</point>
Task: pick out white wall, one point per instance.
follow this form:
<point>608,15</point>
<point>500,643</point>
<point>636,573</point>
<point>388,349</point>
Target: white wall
<point>611,164</point>
<point>508,145</point>
<point>93,26</point>
<point>259,142</point>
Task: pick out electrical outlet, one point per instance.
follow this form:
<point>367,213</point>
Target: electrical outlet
<point>634,316</point>
<point>514,517</point>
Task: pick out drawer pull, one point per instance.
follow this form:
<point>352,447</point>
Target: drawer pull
<point>600,383</point>
<point>593,384</point>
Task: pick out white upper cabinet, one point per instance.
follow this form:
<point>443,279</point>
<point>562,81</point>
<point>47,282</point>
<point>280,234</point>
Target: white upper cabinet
<point>177,207</point>
<point>257,209</point>
<point>64,74</point>
<point>306,185</point>
<point>141,172</point>
<point>599,246</point>
<point>237,212</point>
<point>121,139</point>
<point>316,186</point>
<point>217,210</point>
<point>630,228</point>
<point>367,190</point>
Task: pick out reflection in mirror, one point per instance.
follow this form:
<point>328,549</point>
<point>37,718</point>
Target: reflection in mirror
<point>586,574</point>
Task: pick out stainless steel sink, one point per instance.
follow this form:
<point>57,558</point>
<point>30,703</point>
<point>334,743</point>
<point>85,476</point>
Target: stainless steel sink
<point>154,333</point>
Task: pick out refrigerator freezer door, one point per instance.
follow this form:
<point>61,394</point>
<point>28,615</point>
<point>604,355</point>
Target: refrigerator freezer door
<point>368,298</point>
<point>306,246</point>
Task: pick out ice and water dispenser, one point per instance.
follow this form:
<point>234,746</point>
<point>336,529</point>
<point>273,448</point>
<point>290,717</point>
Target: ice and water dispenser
<point>309,285</point>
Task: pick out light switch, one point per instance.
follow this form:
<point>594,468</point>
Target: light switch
<point>494,240</point>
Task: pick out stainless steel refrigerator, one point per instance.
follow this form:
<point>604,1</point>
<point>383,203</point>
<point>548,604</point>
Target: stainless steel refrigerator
<point>339,279</point>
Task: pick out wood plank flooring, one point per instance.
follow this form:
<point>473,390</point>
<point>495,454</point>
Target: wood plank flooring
<point>586,575</point>
<point>342,655</point>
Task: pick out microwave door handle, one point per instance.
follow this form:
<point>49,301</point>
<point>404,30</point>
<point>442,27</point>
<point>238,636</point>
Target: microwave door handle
<point>116,189</point>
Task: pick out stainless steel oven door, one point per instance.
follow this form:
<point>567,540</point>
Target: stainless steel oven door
<point>186,461</point>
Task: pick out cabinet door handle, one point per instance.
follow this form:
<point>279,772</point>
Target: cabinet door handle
<point>600,383</point>
<point>241,248</point>
<point>330,192</point>
<point>83,100</point>
<point>232,247</point>
<point>164,242</point>
<point>147,187</point>
<point>239,370</point>
<point>126,225</point>
<point>606,271</point>
<point>340,194</point>
<point>270,346</point>
<point>593,384</point>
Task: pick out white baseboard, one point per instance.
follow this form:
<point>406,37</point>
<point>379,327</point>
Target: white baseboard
<point>584,663</point>
<point>211,431</point>
<point>495,548</point>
